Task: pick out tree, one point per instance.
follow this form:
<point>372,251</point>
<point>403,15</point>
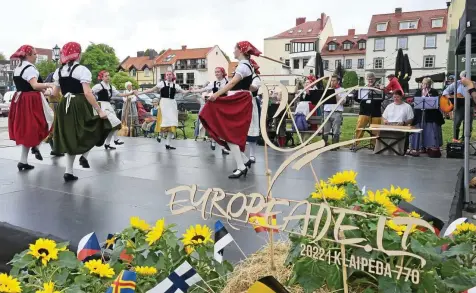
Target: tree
<point>45,68</point>
<point>99,57</point>
<point>350,79</point>
<point>162,52</point>
<point>119,81</point>
<point>2,56</point>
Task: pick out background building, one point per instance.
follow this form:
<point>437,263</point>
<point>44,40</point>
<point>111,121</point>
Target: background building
<point>141,68</point>
<point>42,55</point>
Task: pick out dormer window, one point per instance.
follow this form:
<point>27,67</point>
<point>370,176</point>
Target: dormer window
<point>409,25</point>
<point>381,27</point>
<point>299,31</point>
<point>291,31</point>
<point>347,46</point>
<point>362,45</point>
<point>332,47</point>
<point>169,57</point>
<point>309,30</point>
<point>437,22</point>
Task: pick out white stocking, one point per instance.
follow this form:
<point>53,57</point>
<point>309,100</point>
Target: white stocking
<point>69,163</point>
<point>24,154</point>
<point>169,138</point>
<point>244,158</point>
<point>109,137</point>
<point>252,146</point>
<point>237,155</point>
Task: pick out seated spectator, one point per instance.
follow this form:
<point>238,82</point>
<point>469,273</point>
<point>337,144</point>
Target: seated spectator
<point>393,85</point>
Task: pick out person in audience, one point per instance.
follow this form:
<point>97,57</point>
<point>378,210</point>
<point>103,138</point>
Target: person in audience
<point>129,108</point>
<point>393,85</point>
<point>335,120</point>
<point>151,124</point>
<point>432,133</point>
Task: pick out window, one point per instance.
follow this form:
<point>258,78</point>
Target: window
<point>299,31</point>
<point>302,47</point>
<point>309,30</point>
<point>295,63</point>
<point>402,43</point>
<point>347,46</point>
<point>338,62</point>
<point>379,45</point>
<point>332,47</point>
<point>146,72</point>
<point>307,47</point>
<point>190,78</point>
<point>348,64</point>
<point>362,45</point>
<point>291,31</point>
<point>378,63</point>
<point>304,62</point>
<point>381,27</point>
<point>162,76</point>
<point>360,63</point>
<point>179,77</point>
<point>169,57</point>
<point>286,62</point>
<point>438,22</point>
<point>325,63</point>
<point>132,72</point>
<point>429,61</point>
<point>312,47</point>
<point>430,41</point>
<point>287,47</point>
<point>408,25</point>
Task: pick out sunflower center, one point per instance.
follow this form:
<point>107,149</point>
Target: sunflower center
<point>43,251</point>
<point>198,238</point>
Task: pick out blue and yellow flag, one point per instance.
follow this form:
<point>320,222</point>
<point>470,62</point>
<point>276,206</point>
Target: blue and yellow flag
<point>124,283</point>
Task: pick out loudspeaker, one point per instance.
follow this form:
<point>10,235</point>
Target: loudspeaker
<point>455,150</point>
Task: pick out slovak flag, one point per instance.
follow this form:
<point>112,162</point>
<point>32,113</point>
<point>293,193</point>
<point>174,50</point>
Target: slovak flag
<point>88,246</point>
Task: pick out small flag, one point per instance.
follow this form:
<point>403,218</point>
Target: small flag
<point>88,246</point>
<point>267,285</point>
<point>222,239</point>
<point>472,290</point>
<point>110,242</point>
<point>452,227</point>
<point>179,280</point>
<point>259,222</point>
<point>124,283</point>
<point>363,190</point>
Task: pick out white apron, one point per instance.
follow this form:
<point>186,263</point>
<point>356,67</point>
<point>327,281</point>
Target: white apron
<point>111,115</point>
<point>169,112</point>
<point>254,125</point>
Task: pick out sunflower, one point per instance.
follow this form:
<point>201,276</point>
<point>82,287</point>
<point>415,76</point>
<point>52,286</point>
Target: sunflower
<point>415,215</point>
<point>157,231</point>
<point>48,288</point>
<point>400,229</point>
<point>465,228</point>
<point>146,271</point>
<point>188,249</point>
<point>197,235</point>
<point>44,249</point>
<point>96,267</point>
<point>140,224</point>
<point>330,193</point>
<point>398,194</point>
<point>9,284</point>
<point>343,178</point>
<point>321,184</point>
<point>381,201</point>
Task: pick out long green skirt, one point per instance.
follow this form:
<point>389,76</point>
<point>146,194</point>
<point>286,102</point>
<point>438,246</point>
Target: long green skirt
<point>79,129</point>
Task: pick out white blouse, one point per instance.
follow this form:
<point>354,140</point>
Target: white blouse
<point>81,73</point>
<point>256,81</point>
<point>243,70</point>
<point>133,97</point>
<point>164,83</point>
<point>30,72</point>
<point>220,84</point>
<point>97,88</point>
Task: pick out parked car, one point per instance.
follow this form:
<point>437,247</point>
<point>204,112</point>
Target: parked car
<point>7,97</point>
<point>188,102</point>
<point>4,109</point>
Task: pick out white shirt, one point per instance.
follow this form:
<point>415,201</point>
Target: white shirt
<point>164,83</point>
<point>341,95</point>
<point>81,73</point>
<point>133,97</point>
<point>97,88</point>
<point>398,113</point>
<point>220,84</point>
<point>256,83</point>
<point>30,72</point>
<point>243,70</point>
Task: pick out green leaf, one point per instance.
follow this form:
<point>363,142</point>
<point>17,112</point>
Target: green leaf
<point>428,252</point>
<point>310,274</point>
<point>294,253</point>
<point>387,285</point>
<point>23,261</point>
<point>450,268</point>
<point>60,278</point>
<point>460,249</point>
<point>369,290</point>
<point>67,259</point>
<point>334,278</point>
<point>427,282</point>
<point>161,264</point>
<point>460,282</point>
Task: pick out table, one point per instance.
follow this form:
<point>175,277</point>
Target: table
<point>385,133</point>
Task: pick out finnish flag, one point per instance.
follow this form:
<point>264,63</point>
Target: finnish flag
<point>179,280</point>
<point>222,239</point>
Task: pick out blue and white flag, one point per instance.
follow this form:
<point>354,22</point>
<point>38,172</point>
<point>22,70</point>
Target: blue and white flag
<point>179,280</point>
<point>222,239</point>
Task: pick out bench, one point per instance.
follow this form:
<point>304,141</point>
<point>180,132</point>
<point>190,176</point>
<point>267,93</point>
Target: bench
<point>182,118</point>
<point>314,120</point>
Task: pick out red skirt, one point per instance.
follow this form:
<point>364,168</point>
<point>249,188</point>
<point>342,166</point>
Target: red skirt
<point>228,119</point>
<point>26,121</point>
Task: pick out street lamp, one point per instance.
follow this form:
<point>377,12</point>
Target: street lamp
<point>56,53</point>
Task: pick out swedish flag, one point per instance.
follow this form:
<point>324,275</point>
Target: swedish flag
<point>124,283</point>
<point>267,285</point>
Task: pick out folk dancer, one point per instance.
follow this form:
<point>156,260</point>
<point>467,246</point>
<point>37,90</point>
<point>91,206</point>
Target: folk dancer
<point>129,107</point>
<point>254,131</point>
<point>227,119</point>
<point>335,120</point>
<point>30,119</point>
<point>104,92</point>
<point>168,106</point>
<point>80,122</point>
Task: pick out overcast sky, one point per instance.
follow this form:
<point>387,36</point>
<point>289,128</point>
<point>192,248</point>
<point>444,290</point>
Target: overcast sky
<point>133,25</point>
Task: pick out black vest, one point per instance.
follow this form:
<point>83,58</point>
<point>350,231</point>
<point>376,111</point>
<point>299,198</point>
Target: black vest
<point>216,89</point>
<point>23,85</point>
<point>244,83</point>
<point>104,95</point>
<point>69,84</point>
<point>255,93</point>
<point>167,91</point>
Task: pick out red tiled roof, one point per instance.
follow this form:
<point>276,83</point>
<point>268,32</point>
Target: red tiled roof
<point>231,68</point>
<point>139,63</point>
<point>339,40</point>
<point>171,56</point>
<point>424,23</point>
<point>302,30</point>
<point>304,40</point>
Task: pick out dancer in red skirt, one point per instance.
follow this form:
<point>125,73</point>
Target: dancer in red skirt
<point>30,119</point>
<point>227,119</point>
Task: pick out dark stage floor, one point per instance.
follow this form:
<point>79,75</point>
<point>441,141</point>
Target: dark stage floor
<point>131,181</point>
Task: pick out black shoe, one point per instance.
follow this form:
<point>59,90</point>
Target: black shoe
<point>108,147</point>
<point>117,142</point>
<point>239,174</point>
<point>37,153</point>
<point>213,145</point>
<point>159,139</point>
<point>69,177</point>
<point>84,162</point>
<point>26,167</point>
<point>224,152</point>
<point>248,164</point>
<point>170,147</point>
<point>55,154</point>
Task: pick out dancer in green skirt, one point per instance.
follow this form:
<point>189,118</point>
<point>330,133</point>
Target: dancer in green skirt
<point>80,123</point>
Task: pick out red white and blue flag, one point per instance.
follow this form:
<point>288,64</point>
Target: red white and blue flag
<point>88,246</point>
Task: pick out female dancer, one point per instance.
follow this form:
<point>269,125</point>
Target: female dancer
<point>253,133</point>
<point>80,124</point>
<point>221,81</point>
<point>130,107</point>
<point>227,119</point>
<point>168,106</point>
<point>30,119</point>
<point>104,92</point>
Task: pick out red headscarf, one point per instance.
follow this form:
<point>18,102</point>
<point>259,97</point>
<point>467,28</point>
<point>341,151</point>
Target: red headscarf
<point>70,52</point>
<point>222,70</point>
<point>23,51</point>
<point>246,47</point>
<point>101,74</point>
<point>311,78</point>
<point>255,66</point>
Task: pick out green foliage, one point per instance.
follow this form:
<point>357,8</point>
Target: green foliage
<point>45,68</point>
<point>226,56</point>
<point>350,79</point>
<point>119,80</point>
<point>2,56</point>
<point>99,57</point>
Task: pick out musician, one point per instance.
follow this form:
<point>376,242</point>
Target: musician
<point>469,84</point>
<point>335,120</point>
<point>459,111</point>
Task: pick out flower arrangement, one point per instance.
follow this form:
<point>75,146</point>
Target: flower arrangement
<point>152,252</point>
